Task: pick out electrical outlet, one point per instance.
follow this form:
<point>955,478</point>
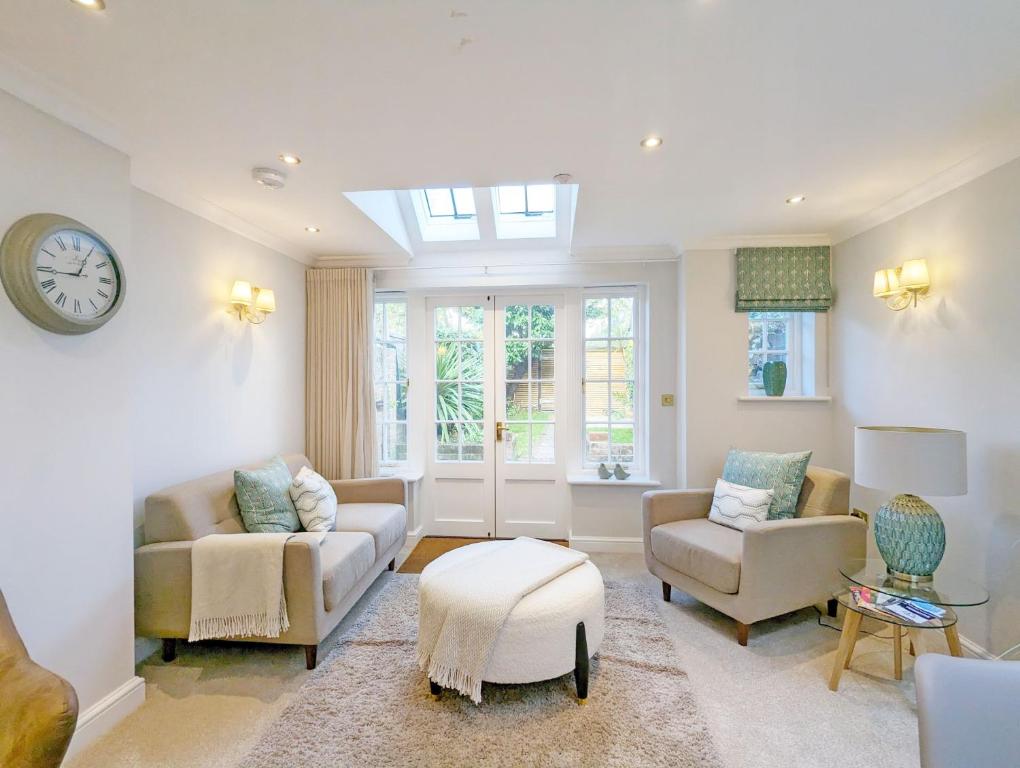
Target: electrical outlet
<point>861,514</point>
<point>667,400</point>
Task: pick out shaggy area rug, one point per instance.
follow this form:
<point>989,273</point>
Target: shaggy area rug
<point>369,705</point>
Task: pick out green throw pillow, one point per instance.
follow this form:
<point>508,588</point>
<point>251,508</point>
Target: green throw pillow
<point>782,472</point>
<point>263,496</point>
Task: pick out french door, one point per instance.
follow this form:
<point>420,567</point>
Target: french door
<point>495,453</point>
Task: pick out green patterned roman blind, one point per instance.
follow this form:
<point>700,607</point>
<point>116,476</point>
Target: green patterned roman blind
<point>783,279</point>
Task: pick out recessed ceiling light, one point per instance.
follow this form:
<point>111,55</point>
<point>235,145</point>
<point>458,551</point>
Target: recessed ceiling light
<point>313,230</point>
<point>651,142</point>
<point>290,159</point>
<point>269,177</point>
<point>95,5</point>
<point>796,199</point>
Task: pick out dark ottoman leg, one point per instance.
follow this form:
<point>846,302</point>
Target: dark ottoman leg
<point>581,664</point>
<point>435,689</point>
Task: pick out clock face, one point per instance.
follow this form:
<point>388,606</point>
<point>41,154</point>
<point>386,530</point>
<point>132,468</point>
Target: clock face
<point>76,275</point>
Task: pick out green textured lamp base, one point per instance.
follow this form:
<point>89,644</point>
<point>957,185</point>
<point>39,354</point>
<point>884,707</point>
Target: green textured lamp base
<point>910,537</point>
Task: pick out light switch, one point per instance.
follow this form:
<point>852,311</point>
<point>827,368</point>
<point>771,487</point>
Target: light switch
<point>667,400</point>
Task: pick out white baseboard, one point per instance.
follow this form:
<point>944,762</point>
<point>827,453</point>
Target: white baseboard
<point>413,537</point>
<point>972,649</point>
<point>106,713</point>
<point>625,544</point>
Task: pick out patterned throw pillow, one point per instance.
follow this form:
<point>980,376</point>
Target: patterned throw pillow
<point>736,506</point>
<point>782,472</point>
<point>263,496</point>
<point>315,500</point>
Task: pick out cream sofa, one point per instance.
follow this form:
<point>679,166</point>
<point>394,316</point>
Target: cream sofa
<point>769,569</point>
<point>321,583</point>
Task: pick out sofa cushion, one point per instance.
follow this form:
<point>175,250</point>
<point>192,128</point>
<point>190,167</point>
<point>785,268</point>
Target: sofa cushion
<point>386,522</point>
<point>737,506</point>
<point>314,499</point>
<point>782,472</point>
<point>702,550</point>
<point>263,495</point>
<point>345,558</point>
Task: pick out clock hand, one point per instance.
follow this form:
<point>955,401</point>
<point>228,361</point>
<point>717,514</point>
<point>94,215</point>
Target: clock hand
<point>85,260</point>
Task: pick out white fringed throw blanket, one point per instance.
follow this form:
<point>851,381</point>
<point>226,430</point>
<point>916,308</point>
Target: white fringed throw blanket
<point>463,606</point>
<point>237,585</point>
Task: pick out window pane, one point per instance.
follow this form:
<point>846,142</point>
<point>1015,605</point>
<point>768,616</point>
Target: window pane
<point>447,361</point>
<point>472,402</point>
<point>388,394</point>
<point>472,436</point>
<point>464,197</point>
<point>447,442</point>
<point>511,199</point>
<point>596,360</point>
<point>623,444</point>
<point>472,319</point>
<point>517,402</point>
<point>623,317</point>
<point>543,401</point>
<point>596,318</point>
<point>596,443</point>
<point>447,401</point>
<point>517,321</point>
<point>777,334</point>
<point>543,321</point>
<point>518,442</point>
<point>596,401</point>
<point>542,360</point>
<point>541,198</point>
<point>440,201</point>
<point>380,320</point>
<point>400,362</point>
<point>622,360</point>
<point>472,361</point>
<point>396,319</point>
<point>622,404</point>
<point>379,396</point>
<point>542,446</point>
<point>401,401</point>
<point>447,322</point>
<point>516,360</point>
<point>396,443</point>
<point>754,368</point>
<point>754,336</point>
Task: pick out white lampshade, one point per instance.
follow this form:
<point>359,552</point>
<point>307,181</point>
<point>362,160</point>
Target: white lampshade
<point>914,274</point>
<point>914,460</point>
<point>241,293</point>
<point>887,283</point>
<point>265,300</point>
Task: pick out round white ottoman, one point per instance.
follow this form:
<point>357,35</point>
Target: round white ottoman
<point>552,631</point>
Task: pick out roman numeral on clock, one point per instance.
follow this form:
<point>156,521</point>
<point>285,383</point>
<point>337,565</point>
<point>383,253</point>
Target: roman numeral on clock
<point>106,281</point>
<point>77,307</point>
<point>48,285</point>
<point>76,242</point>
<point>61,299</point>
<point>102,264</point>
<point>103,294</point>
<point>44,269</point>
<point>60,242</point>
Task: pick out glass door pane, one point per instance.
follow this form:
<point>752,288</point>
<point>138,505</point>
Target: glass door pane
<point>459,382</point>
<point>529,375</point>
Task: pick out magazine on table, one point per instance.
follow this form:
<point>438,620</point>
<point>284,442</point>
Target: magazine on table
<point>913,610</point>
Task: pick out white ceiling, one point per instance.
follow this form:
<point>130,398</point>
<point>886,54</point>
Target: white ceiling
<point>850,103</point>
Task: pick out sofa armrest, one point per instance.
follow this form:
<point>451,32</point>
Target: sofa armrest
<point>800,556</point>
<point>373,490</point>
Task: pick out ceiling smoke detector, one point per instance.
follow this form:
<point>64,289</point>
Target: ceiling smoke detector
<point>269,178</point>
<point>563,178</point>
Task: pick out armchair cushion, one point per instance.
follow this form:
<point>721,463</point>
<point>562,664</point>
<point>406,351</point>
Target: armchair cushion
<point>385,522</point>
<point>702,550</point>
<point>346,557</point>
<point>782,472</point>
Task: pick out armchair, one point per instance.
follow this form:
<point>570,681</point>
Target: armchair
<point>768,569</point>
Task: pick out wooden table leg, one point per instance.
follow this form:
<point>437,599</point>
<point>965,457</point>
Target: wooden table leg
<point>953,638</point>
<point>916,640</point>
<point>851,623</point>
<point>897,645</point>
<point>850,650</point>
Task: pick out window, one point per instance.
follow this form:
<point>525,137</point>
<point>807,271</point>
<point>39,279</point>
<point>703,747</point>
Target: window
<point>611,366</point>
<point>530,378</point>
<point>390,371</point>
<point>525,211</point>
<point>786,337</point>
<point>460,376</point>
<point>445,213</point>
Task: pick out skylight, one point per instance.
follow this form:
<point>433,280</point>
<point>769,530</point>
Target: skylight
<point>525,211</point>
<point>445,213</point>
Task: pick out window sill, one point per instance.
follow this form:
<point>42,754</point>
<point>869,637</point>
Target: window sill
<point>784,399</point>
<point>631,482</point>
<point>404,473</point>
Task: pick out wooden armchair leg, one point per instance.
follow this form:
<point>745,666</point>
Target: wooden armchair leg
<point>169,649</point>
<point>832,607</point>
<point>393,565</point>
<point>311,652</point>
<point>667,591</point>
<point>742,632</point>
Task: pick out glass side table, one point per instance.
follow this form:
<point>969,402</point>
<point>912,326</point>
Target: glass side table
<point>946,590</point>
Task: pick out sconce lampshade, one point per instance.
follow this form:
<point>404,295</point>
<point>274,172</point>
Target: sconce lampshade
<point>914,274</point>
<point>241,293</point>
<point>887,283</point>
<point>265,300</point>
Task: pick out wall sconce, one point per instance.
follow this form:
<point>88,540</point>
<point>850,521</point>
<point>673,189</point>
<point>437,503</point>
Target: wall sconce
<point>251,302</point>
<point>901,286</point>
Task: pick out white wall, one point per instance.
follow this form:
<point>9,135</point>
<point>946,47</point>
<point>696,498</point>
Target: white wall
<point>65,463</point>
<point>952,362</point>
<point>714,372</point>
<point>209,392</point>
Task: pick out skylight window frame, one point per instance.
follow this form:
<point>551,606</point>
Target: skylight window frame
<point>527,212</point>
<point>442,228</point>
<point>527,224</point>
<point>456,215</point>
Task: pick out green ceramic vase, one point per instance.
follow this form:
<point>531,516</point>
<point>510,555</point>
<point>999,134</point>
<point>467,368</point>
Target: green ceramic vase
<point>773,376</point>
<point>910,537</point>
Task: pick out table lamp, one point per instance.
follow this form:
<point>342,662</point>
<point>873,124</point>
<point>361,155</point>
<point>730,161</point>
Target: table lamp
<point>909,532</point>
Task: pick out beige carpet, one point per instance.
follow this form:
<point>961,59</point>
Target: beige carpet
<point>369,705</point>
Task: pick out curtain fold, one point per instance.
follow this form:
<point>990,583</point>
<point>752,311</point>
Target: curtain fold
<point>339,406</point>
<point>783,279</point>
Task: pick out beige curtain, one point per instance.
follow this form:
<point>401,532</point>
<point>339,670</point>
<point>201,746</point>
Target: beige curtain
<point>339,406</point>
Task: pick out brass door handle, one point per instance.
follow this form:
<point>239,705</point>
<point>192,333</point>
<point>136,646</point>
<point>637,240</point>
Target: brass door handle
<point>499,431</point>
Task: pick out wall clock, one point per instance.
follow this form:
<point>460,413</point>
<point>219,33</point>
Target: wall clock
<point>60,274</point>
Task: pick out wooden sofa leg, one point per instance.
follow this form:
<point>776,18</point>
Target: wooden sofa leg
<point>831,606</point>
<point>393,565</point>
<point>667,591</point>
<point>311,652</point>
<point>742,631</point>
<point>169,648</point>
